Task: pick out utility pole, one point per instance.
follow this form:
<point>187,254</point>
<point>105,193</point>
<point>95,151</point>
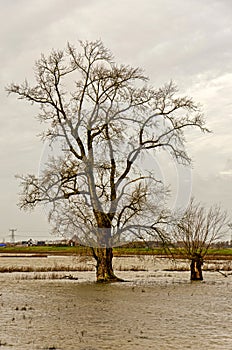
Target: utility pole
<point>230,226</point>
<point>12,230</point>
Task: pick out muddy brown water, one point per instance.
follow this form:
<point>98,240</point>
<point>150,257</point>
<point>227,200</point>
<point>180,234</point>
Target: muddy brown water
<point>155,309</point>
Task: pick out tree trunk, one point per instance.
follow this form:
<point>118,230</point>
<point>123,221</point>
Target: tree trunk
<point>104,267</point>
<point>196,270</point>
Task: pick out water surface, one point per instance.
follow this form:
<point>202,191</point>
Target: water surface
<point>154,310</point>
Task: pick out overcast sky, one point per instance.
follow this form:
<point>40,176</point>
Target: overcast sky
<point>188,41</point>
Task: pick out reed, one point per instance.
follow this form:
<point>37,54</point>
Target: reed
<point>55,268</point>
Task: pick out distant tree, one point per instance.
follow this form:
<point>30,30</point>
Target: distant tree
<point>106,118</point>
<point>196,230</point>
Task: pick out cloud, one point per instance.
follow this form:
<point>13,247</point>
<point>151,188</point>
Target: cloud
<point>213,189</point>
<point>226,172</point>
<point>187,41</point>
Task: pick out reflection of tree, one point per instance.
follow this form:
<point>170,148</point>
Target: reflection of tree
<point>106,118</point>
<point>196,229</point>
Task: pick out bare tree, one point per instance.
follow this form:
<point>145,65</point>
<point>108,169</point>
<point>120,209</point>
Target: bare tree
<point>196,230</point>
<point>106,118</point>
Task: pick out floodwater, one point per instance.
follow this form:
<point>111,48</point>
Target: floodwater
<point>155,309</point>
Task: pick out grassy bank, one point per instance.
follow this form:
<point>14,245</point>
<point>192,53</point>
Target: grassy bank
<point>223,253</point>
<point>67,250</point>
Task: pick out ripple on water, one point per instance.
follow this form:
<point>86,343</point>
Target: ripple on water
<point>154,310</point>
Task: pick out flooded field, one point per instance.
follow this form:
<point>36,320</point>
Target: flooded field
<point>154,309</point>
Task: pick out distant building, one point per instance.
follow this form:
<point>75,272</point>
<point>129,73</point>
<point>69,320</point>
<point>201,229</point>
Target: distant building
<point>41,243</point>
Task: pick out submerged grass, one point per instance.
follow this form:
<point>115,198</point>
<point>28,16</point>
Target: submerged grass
<point>10,269</point>
<point>130,268</point>
<point>83,268</point>
<point>45,276</point>
<point>208,266</point>
<point>39,276</point>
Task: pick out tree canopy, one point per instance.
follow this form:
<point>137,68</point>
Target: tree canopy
<point>198,227</point>
<point>104,117</point>
<point>195,229</point>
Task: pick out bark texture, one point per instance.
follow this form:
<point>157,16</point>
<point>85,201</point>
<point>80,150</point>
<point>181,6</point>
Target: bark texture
<point>196,268</point>
<point>104,267</point>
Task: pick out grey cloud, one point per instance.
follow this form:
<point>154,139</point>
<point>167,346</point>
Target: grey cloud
<point>227,170</point>
<point>188,41</point>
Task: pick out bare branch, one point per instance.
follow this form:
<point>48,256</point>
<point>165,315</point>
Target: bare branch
<point>107,118</point>
<point>198,228</point>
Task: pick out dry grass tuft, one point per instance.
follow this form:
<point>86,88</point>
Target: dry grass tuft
<point>131,268</point>
<point>55,268</point>
<point>45,276</point>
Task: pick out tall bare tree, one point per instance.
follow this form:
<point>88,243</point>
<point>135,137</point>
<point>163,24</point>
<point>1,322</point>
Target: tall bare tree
<point>106,118</point>
<point>196,229</point>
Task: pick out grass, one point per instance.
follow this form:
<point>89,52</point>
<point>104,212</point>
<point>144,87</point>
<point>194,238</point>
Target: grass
<point>10,269</point>
<point>46,250</point>
<point>63,268</point>
<point>225,252</point>
<point>47,273</point>
<point>81,251</point>
<point>222,253</point>
<point>40,276</point>
<point>130,268</point>
<point>45,276</point>
<point>226,266</point>
<point>56,272</point>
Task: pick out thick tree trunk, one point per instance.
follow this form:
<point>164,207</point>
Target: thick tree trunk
<point>196,270</point>
<point>104,267</point>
